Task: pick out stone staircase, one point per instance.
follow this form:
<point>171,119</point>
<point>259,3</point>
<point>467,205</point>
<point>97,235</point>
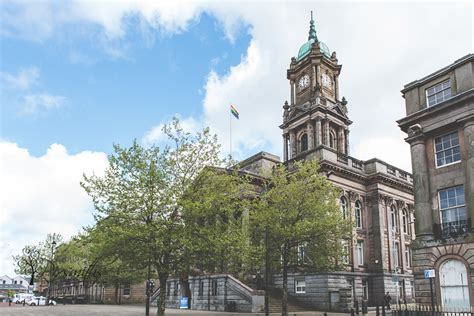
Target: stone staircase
<point>274,303</point>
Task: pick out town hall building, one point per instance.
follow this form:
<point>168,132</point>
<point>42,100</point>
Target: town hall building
<point>377,196</point>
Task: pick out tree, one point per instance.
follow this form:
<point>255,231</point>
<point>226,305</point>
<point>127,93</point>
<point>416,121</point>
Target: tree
<point>38,261</point>
<point>215,213</point>
<point>298,222</point>
<point>138,199</point>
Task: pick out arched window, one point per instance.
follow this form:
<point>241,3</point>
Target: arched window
<point>358,214</point>
<point>405,220</point>
<point>454,285</point>
<point>332,140</point>
<point>343,205</point>
<point>393,218</point>
<point>304,142</point>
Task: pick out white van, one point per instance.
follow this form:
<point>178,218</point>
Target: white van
<point>20,297</point>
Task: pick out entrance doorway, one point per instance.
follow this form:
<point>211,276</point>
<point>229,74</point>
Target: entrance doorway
<point>454,285</point>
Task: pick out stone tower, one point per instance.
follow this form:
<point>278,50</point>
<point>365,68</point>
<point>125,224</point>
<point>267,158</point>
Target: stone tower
<point>315,115</point>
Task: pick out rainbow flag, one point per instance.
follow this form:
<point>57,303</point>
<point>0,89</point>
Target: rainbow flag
<point>234,111</point>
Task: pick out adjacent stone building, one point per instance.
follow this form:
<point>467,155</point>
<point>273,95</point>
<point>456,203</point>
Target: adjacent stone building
<point>440,126</point>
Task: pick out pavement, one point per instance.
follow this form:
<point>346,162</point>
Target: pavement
<point>123,310</point>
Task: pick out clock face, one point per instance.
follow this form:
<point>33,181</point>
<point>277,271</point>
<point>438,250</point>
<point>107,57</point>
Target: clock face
<point>327,82</point>
<point>304,82</point>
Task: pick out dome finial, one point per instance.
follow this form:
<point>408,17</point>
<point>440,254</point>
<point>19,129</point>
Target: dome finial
<point>312,29</point>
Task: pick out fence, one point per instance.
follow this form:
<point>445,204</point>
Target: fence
<point>410,310</point>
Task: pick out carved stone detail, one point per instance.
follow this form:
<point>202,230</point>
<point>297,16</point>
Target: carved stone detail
<point>353,196</point>
<point>400,204</point>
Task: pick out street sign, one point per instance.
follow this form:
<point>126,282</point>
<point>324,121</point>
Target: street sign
<point>429,273</point>
<point>183,302</point>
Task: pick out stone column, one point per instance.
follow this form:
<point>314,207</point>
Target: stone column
<point>469,165</point>
<point>292,144</point>
<point>285,147</point>
<point>341,145</point>
<point>336,87</point>
<point>310,135</point>
<point>346,140</point>
<point>319,140</point>
<point>326,132</point>
<point>421,185</point>
<point>314,77</point>
<point>292,88</point>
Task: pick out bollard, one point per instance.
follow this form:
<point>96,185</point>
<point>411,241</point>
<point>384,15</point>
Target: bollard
<point>357,307</point>
<point>383,309</point>
<point>352,312</point>
<point>377,311</point>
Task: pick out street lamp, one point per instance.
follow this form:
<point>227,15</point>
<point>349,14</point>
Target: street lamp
<point>53,246</point>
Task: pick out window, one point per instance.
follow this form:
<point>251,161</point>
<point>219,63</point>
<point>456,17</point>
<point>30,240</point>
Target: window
<point>412,289</point>
<point>21,282</point>
<point>452,205</point>
<point>393,218</point>
<point>365,290</point>
<point>214,287</point>
<point>405,221</point>
<point>126,289</point>
<point>360,252</point>
<point>358,214</point>
<point>201,288</point>
<point>175,288</point>
<point>304,142</point>
<point>168,289</point>
<point>346,250</point>
<point>407,255</point>
<point>332,140</point>
<point>396,255</point>
<point>300,286</point>
<point>4,281</point>
<point>16,282</point>
<point>447,149</point>
<point>343,206</point>
<point>438,93</point>
<point>301,253</point>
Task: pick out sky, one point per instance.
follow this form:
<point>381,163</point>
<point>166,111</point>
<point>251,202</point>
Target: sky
<point>78,76</point>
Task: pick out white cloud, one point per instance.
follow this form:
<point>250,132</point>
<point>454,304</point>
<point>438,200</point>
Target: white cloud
<point>25,78</point>
<point>389,149</point>
<point>34,103</point>
<point>42,195</point>
<point>156,136</point>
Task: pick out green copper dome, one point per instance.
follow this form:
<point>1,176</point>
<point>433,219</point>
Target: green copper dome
<point>305,49</point>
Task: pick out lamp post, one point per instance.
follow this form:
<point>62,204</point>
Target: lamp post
<point>53,246</point>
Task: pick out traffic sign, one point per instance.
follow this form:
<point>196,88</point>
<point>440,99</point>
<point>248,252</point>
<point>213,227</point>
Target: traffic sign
<point>429,273</point>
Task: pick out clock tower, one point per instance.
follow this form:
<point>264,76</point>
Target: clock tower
<point>315,116</point>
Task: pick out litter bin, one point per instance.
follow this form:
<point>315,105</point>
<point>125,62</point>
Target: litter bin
<point>231,306</point>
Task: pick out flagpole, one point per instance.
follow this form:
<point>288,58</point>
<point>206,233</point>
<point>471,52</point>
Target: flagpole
<point>230,133</point>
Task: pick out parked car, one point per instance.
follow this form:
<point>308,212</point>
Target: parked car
<point>39,300</point>
<point>20,297</point>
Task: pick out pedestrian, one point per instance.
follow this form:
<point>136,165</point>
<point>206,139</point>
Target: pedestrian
<point>387,298</point>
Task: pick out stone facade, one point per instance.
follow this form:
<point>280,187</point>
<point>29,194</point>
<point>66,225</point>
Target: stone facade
<point>217,292</point>
<point>378,197</point>
<point>78,292</point>
<point>440,128</point>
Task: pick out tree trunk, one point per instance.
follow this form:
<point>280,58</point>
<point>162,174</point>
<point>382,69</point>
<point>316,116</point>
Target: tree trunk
<point>284,300</point>
<point>162,297</point>
<point>116,293</point>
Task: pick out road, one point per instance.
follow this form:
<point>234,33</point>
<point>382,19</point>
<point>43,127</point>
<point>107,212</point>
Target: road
<point>121,310</point>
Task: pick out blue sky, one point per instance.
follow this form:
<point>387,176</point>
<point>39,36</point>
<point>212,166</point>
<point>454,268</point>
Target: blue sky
<point>107,98</point>
<point>77,76</point>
